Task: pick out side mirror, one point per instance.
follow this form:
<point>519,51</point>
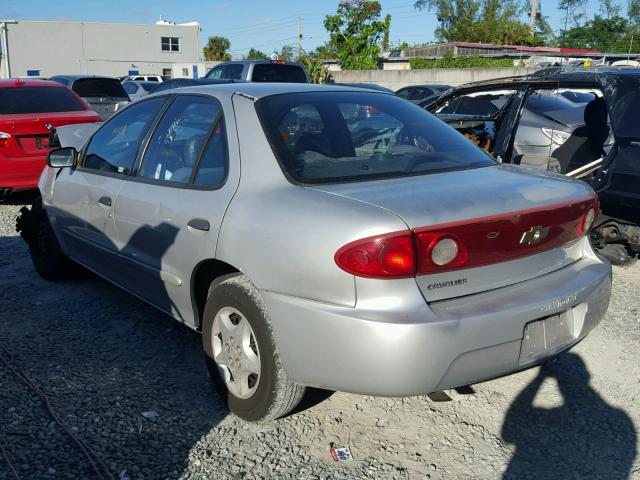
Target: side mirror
<point>62,157</point>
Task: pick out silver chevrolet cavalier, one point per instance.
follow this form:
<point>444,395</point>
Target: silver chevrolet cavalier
<point>323,236</point>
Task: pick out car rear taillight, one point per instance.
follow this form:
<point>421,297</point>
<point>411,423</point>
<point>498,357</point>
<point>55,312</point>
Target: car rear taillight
<point>470,243</point>
<point>384,256</point>
<point>4,139</point>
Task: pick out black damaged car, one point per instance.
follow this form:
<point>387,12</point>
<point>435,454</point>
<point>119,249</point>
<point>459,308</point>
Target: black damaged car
<point>578,122</point>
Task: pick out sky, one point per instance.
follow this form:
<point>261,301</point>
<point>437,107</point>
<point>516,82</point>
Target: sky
<point>263,24</point>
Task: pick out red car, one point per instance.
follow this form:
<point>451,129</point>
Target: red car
<point>28,111</point>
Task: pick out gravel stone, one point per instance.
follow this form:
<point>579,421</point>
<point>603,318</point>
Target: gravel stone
<point>102,357</point>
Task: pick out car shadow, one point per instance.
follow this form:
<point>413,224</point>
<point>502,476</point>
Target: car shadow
<point>568,437</point>
<point>130,381</point>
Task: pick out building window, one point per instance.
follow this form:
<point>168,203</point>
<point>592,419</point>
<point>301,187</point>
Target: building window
<point>185,72</point>
<point>170,44</point>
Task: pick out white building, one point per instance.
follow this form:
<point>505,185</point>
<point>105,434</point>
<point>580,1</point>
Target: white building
<point>45,48</point>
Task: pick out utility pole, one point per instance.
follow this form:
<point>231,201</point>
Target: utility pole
<point>534,16</point>
<point>299,23</point>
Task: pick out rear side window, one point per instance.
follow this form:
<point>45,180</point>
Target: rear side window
<point>477,104</point>
<point>277,72</point>
<point>99,87</point>
<point>115,145</point>
<point>38,100</point>
<point>174,150</point>
<point>331,137</point>
<point>231,71</point>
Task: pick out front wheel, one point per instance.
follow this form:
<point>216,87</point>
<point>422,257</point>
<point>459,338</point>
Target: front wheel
<point>242,355</point>
<point>47,256</point>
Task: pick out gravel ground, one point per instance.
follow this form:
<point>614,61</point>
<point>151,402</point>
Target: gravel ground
<point>102,358</point>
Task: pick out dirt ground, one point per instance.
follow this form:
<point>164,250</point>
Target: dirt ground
<point>102,358</point>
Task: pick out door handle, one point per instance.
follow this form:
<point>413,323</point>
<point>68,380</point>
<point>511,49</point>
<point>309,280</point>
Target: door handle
<point>105,201</point>
<point>199,224</point>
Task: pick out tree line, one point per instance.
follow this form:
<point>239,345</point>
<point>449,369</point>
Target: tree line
<point>358,34</point>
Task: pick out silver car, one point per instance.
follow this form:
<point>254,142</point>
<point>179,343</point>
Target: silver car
<point>313,247</point>
<point>104,95</point>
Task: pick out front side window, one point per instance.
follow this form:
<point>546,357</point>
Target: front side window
<point>115,146</point>
<point>174,148</point>
<point>170,44</point>
<point>331,137</point>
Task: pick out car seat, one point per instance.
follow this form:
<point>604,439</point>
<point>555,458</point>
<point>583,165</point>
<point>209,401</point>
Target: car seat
<point>189,156</point>
<point>586,142</point>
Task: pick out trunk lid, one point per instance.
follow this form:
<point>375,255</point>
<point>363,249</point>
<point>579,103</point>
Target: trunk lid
<point>448,198</point>
<point>30,132</point>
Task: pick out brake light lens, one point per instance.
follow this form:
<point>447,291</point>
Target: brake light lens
<point>470,243</point>
<point>4,139</point>
<point>384,256</point>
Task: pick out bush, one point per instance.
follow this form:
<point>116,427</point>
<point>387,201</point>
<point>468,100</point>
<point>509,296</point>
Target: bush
<point>449,61</point>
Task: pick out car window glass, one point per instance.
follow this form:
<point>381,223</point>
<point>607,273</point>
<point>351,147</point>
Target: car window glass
<point>99,87</point>
<point>18,100</point>
<point>212,169</point>
<point>175,145</point>
<point>328,137</point>
<point>233,71</point>
<point>482,104</point>
<point>277,72</point>
<point>115,146</point>
<point>216,72</point>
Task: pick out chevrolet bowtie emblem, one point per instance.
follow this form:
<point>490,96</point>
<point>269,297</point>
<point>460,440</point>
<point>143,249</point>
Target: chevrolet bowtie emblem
<point>534,235</point>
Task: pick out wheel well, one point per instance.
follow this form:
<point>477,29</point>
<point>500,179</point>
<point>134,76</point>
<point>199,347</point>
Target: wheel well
<point>203,275</point>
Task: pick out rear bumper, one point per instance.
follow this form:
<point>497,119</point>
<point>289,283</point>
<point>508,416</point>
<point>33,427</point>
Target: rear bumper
<point>21,173</point>
<point>413,348</point>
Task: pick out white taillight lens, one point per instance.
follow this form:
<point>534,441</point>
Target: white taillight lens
<point>558,137</point>
<point>444,252</point>
<point>4,139</point>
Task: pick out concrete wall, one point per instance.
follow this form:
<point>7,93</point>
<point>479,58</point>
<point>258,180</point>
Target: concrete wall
<point>396,79</point>
<point>97,48</point>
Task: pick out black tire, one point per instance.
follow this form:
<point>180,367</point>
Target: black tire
<point>275,395</point>
<point>46,254</point>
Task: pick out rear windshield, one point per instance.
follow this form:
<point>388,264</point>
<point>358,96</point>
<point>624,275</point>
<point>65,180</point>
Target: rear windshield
<point>547,102</point>
<point>332,137</point>
<point>38,100</point>
<point>277,72</point>
<point>99,87</point>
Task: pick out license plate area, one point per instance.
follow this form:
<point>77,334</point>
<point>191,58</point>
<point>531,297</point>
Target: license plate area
<point>551,335</point>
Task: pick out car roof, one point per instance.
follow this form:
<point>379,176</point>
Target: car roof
<point>259,90</point>
<point>21,82</point>
<point>78,77</point>
<point>258,62</point>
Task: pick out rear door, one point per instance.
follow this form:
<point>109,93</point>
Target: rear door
<point>84,198</point>
<point>169,214</point>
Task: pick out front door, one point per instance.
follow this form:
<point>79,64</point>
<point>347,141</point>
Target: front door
<point>84,198</point>
<point>169,213</point>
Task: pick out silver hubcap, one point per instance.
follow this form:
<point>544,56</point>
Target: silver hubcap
<point>235,352</point>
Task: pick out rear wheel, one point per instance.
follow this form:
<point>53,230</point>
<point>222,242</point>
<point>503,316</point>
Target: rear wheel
<point>242,355</point>
<point>46,254</point>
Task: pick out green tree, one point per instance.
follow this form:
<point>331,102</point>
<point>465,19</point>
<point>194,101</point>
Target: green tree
<point>354,34</point>
<point>574,10</point>
<point>604,34</point>
<point>255,54</point>
<point>216,49</point>
<point>315,68</point>
<point>486,21</point>
<point>633,12</point>
<point>287,53</point>
<point>609,8</point>
<point>385,38</point>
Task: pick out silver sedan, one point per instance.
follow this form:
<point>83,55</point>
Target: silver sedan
<point>324,236</point>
